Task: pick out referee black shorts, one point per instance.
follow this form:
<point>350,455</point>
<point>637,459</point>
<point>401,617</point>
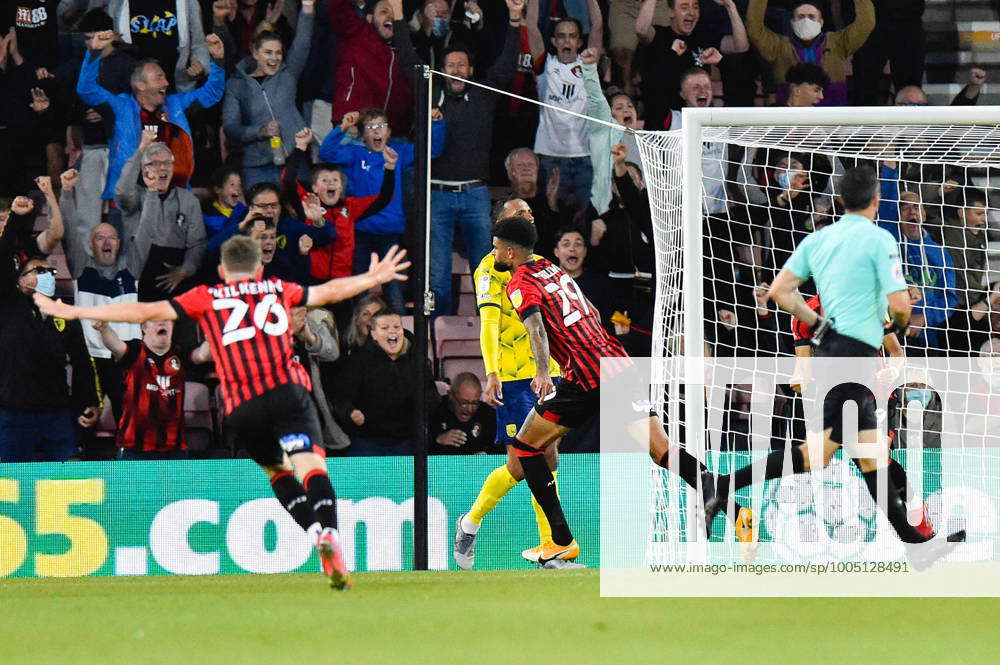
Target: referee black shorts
<point>283,420</point>
<point>835,345</point>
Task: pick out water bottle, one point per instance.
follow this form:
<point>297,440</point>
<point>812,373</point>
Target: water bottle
<point>277,151</point>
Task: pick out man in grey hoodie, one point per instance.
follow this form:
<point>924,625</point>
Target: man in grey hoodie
<point>167,228</point>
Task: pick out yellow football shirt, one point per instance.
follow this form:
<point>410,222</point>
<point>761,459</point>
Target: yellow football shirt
<point>507,352</point>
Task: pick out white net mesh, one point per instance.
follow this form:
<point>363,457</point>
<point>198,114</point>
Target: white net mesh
<point>764,189</point>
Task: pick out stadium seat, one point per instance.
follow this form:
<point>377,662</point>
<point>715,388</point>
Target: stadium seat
<point>452,367</point>
<point>197,406</point>
<point>449,328</point>
<point>407,322</point>
<point>467,304</point>
<point>459,265</point>
<point>106,425</point>
<point>465,284</point>
<point>442,388</point>
<point>466,348</point>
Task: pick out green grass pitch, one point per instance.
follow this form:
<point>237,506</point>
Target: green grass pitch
<point>509,618</point>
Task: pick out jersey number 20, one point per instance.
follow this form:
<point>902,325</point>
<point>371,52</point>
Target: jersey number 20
<point>569,291</point>
<point>234,331</point>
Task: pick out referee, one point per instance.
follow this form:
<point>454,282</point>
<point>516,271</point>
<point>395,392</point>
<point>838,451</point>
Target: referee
<point>857,269</point>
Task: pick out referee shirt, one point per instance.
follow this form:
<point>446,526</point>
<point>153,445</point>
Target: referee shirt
<point>855,265</point>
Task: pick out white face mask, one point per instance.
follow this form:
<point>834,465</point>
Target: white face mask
<point>806,28</point>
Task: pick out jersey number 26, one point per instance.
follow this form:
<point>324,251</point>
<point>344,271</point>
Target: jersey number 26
<point>234,331</point>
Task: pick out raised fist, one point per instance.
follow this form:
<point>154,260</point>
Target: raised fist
<point>303,138</point>
<point>215,47</point>
<point>69,178</point>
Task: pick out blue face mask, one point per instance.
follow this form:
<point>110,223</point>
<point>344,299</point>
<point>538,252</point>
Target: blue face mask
<point>46,284</point>
<point>440,27</point>
<point>921,395</point>
<point>783,179</point>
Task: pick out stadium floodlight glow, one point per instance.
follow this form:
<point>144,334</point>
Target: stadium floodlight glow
<point>726,173</point>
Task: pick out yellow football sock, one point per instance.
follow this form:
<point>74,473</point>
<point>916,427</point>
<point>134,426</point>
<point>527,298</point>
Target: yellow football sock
<point>496,485</point>
<point>544,530</point>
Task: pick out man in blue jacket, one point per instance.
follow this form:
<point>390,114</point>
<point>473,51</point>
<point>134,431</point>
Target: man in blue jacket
<point>149,106</point>
<point>364,165</point>
<point>928,266</point>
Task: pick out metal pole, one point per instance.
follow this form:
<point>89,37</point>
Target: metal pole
<point>421,114</point>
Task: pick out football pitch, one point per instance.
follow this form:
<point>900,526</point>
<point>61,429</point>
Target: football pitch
<point>512,617</point>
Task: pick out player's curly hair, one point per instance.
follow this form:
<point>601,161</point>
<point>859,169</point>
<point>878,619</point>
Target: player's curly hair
<point>517,230</point>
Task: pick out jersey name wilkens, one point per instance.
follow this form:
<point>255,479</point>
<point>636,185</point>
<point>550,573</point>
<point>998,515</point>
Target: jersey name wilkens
<point>245,288</point>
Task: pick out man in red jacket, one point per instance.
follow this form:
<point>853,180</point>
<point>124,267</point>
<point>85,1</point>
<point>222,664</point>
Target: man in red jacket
<point>375,60</point>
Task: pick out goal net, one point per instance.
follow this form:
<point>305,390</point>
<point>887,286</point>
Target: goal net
<point>732,195</point>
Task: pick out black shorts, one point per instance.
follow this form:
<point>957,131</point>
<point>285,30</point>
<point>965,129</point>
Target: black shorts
<point>283,420</point>
<point>571,404</point>
<point>836,345</point>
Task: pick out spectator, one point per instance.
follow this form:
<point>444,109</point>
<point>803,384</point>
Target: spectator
<point>316,349</point>
<point>290,266</point>
<point>807,83</point>
<point>676,48</point>
<point>462,423</point>
<point>287,254</point>
<point>324,203</point>
<point>622,16</point>
<point>376,389</point>
<point>370,72</point>
<point>357,331</point>
<point>810,43</point>
<point>25,121</point>
<point>167,31</point>
<point>561,139</point>
<point>259,114</point>
<point>969,328</point>
<point>929,266</point>
<point>227,199</point>
<point>571,253</point>
<point>37,406</point>
<point>151,426</point>
<point>103,275</point>
<point>96,123</point>
<point>365,166</point>
<point>21,220</point>
<point>149,107</point>
<point>898,37</point>
<point>34,24</point>
<point>523,168</point>
<point>169,237</point>
<point>253,16</point>
<point>459,196</point>
<point>435,30</point>
<point>913,95</point>
<point>965,240</point>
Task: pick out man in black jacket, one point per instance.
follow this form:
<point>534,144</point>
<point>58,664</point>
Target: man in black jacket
<point>459,196</point>
<point>37,408</point>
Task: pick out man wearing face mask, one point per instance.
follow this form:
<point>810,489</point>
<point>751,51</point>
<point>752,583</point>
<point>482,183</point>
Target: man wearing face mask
<point>434,31</point>
<point>810,42</point>
<point>37,407</point>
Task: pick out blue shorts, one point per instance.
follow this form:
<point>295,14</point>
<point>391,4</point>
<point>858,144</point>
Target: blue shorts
<point>518,400</point>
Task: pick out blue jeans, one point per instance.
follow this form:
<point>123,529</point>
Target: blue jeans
<point>254,174</point>
<point>49,434</point>
<point>576,175</point>
<point>364,245</point>
<point>470,212</point>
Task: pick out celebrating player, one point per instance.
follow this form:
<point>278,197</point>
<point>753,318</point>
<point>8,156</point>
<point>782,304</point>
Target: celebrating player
<point>245,320</point>
<point>509,370</point>
<point>857,270</point>
<point>553,309</point>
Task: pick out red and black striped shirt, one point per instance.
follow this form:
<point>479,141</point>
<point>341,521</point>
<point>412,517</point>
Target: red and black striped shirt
<point>576,338</point>
<point>153,401</point>
<point>247,327</point>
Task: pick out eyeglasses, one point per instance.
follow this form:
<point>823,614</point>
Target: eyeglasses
<point>376,125</point>
<point>467,403</point>
<point>268,206</point>
<point>161,163</point>
<point>40,270</point>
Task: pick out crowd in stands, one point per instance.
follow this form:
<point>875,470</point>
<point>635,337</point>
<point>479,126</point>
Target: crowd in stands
<point>136,136</point>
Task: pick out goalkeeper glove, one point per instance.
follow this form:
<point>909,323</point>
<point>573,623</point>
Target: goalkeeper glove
<point>819,329</point>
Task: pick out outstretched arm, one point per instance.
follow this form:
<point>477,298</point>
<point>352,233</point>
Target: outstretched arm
<point>126,312</point>
<point>49,239</point>
<point>541,385</point>
<point>380,272</point>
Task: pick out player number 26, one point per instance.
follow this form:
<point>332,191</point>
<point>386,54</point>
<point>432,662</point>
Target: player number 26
<point>569,291</point>
<point>235,331</point>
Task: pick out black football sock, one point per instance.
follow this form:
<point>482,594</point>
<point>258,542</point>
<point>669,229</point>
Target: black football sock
<point>894,509</point>
<point>688,468</point>
<point>543,488</point>
<point>774,467</point>
<point>322,498</point>
<point>293,497</point>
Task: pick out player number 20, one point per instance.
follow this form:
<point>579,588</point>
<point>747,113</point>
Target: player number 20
<point>235,331</point>
<point>569,291</point>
